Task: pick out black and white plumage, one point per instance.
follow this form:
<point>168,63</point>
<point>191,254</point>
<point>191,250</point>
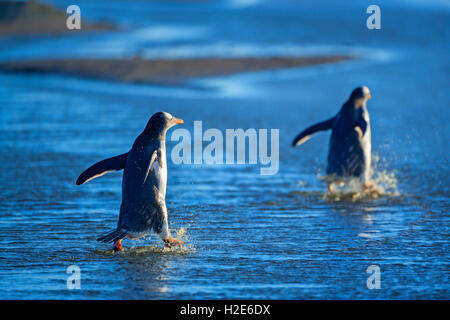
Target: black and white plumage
<point>143,209</point>
<point>350,143</point>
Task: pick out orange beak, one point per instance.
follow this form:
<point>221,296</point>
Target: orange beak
<point>369,96</point>
<point>177,121</point>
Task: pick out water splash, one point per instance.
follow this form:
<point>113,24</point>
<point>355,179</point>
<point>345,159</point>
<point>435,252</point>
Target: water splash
<point>142,250</point>
<point>180,234</point>
<point>384,184</point>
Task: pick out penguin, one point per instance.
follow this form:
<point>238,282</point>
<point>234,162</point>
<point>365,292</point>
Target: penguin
<point>350,144</point>
<point>143,208</point>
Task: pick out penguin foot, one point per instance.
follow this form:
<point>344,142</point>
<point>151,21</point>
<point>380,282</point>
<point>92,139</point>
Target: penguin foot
<point>118,246</point>
<point>368,185</point>
<point>172,242</point>
<point>330,188</point>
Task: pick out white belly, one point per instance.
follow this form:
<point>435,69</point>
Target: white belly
<point>158,170</point>
<point>162,171</point>
<point>366,143</point>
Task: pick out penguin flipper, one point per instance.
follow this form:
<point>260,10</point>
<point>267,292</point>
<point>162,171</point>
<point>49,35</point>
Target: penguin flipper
<point>100,168</point>
<point>307,133</point>
<point>152,159</point>
<point>361,122</point>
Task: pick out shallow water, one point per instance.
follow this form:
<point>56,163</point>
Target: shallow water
<point>247,236</point>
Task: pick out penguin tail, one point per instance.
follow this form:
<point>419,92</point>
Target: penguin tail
<point>112,236</point>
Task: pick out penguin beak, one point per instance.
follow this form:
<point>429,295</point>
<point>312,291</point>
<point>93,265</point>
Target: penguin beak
<point>177,121</point>
<point>369,96</point>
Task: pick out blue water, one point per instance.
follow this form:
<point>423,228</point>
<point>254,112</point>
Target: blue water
<point>247,236</point>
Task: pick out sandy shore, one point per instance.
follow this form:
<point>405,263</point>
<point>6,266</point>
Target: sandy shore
<point>33,18</point>
<point>161,71</point>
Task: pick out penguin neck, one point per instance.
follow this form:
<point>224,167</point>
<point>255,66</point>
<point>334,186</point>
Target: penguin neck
<point>360,103</point>
<point>156,133</point>
<point>355,103</point>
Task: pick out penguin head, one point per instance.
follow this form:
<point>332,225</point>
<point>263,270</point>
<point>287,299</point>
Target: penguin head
<point>361,93</point>
<point>160,122</point>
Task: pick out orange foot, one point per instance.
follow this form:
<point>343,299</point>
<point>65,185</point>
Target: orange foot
<point>330,188</point>
<point>172,242</point>
<point>118,246</point>
<point>368,185</point>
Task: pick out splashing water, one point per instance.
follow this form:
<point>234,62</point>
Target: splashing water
<point>180,234</point>
<point>147,250</point>
<point>384,185</point>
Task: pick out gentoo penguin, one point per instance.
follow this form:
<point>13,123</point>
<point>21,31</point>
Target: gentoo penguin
<point>144,182</point>
<point>350,146</point>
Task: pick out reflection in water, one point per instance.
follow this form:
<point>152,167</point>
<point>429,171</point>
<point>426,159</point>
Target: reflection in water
<point>149,273</point>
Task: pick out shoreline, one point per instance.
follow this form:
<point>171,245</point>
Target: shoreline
<point>34,19</point>
<point>162,71</point>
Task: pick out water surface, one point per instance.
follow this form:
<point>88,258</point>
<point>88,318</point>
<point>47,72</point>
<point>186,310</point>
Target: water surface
<point>247,236</point>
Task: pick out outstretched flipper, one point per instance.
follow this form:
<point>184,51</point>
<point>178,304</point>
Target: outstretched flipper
<point>100,168</point>
<point>306,134</point>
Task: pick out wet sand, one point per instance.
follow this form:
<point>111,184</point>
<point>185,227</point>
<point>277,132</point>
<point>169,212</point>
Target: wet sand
<point>34,19</point>
<point>161,71</point>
